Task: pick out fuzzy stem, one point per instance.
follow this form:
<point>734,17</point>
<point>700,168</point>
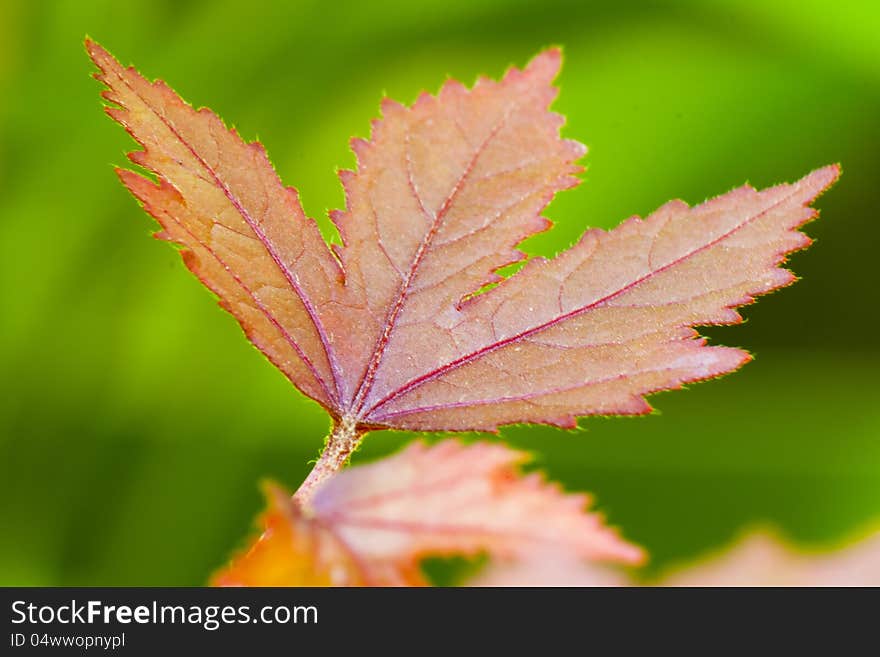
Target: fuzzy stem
<point>338,448</point>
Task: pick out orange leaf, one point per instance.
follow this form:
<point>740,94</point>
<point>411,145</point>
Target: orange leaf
<point>291,551</point>
<point>244,234</point>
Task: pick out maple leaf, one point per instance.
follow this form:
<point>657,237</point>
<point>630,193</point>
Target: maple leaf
<point>395,327</point>
<point>372,524</point>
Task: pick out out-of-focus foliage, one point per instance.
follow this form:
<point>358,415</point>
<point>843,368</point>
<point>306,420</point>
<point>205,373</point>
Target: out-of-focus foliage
<point>134,419</point>
<point>756,558</point>
<point>763,559</point>
<point>372,525</point>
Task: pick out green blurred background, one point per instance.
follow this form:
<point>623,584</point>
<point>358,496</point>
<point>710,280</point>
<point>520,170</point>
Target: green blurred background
<point>135,419</point>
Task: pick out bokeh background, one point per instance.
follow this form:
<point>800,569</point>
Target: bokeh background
<point>135,419</point>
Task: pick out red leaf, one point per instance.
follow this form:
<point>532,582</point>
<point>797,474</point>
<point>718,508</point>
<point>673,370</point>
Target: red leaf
<point>443,193</point>
<point>398,329</point>
<point>607,321</point>
<point>374,523</point>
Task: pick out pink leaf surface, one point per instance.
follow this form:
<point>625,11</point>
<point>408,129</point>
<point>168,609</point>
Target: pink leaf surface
<point>609,320</point>
<point>396,329</point>
<point>759,558</point>
<point>763,559</point>
<point>449,499</point>
<point>550,569</point>
<point>443,193</point>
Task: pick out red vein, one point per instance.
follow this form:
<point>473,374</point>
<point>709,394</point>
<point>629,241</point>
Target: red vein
<point>467,358</point>
<point>528,397</point>
<point>368,379</point>
<point>500,212</point>
<point>380,242</point>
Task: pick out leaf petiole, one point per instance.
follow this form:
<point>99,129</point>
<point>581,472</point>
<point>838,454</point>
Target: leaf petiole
<point>338,448</point>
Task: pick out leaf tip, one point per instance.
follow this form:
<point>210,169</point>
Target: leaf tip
<point>276,496</point>
<point>821,179</point>
<point>97,52</point>
<point>390,107</point>
<point>546,64</point>
<point>359,147</point>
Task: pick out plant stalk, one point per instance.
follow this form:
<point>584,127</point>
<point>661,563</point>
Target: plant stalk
<point>338,448</point>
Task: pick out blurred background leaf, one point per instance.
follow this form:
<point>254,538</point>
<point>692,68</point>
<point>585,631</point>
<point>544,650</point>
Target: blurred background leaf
<point>136,421</point>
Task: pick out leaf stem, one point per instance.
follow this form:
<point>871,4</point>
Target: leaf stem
<point>338,448</point>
